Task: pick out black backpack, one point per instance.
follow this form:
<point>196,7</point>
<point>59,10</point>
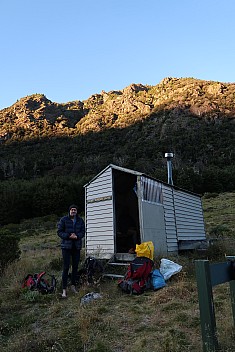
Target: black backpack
<point>137,278</point>
<point>40,283</point>
<point>92,267</point>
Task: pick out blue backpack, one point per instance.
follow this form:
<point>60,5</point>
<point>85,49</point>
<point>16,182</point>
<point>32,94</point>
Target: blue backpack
<point>157,280</point>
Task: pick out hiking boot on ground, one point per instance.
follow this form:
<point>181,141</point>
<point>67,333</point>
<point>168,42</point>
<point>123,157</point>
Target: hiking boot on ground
<point>64,294</point>
<point>73,289</point>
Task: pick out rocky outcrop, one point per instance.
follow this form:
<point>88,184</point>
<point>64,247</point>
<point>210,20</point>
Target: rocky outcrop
<point>36,116</point>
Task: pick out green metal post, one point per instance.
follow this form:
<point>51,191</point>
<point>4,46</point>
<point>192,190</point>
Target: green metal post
<point>232,291</point>
<point>206,306</point>
<point>232,288</point>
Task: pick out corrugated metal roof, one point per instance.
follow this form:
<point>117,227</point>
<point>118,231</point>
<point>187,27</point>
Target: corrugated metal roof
<point>129,171</point>
<point>137,173</point>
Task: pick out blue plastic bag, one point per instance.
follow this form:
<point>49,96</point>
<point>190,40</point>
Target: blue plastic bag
<point>158,280</point>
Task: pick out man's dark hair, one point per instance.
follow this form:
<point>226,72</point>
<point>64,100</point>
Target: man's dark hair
<point>73,206</point>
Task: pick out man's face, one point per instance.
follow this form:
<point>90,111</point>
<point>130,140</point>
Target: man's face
<point>73,212</point>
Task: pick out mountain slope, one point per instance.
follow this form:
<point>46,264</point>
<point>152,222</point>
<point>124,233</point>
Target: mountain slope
<point>134,127</point>
<point>50,148</point>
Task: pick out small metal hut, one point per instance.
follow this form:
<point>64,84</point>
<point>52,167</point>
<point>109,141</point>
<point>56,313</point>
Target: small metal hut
<point>124,207</point>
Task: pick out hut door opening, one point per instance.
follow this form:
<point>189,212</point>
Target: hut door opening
<point>127,228</point>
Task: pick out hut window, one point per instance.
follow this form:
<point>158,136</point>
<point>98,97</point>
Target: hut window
<point>152,190</point>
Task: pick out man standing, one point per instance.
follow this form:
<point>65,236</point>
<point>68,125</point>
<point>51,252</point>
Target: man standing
<point>71,230</point>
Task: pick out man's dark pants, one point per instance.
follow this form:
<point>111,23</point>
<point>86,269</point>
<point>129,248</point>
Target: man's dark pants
<point>75,255</point>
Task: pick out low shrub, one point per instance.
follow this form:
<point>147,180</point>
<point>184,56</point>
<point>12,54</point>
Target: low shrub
<point>216,250</point>
<point>219,231</point>
<point>209,195</point>
<point>9,248</point>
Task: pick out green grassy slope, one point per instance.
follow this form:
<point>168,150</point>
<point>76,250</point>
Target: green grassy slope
<point>219,214</point>
<point>163,321</point>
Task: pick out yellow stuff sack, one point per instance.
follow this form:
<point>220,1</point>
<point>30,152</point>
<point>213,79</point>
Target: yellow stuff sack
<point>145,249</point>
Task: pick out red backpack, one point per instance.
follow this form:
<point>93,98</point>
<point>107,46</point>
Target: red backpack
<point>40,283</point>
<point>137,278</point>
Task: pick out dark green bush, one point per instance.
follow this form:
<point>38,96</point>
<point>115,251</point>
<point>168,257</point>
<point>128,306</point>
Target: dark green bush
<point>208,195</point>
<point>9,248</point>
<point>24,199</point>
<point>216,250</point>
<point>219,231</point>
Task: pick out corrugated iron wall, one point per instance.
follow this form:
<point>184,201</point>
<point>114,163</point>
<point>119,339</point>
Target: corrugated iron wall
<point>183,217</point>
<point>169,214</point>
<point>99,215</point>
<point>189,216</point>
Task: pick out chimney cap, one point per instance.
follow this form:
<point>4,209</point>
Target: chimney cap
<point>169,155</point>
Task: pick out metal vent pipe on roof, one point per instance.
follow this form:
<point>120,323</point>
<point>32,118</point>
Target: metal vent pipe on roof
<point>169,157</point>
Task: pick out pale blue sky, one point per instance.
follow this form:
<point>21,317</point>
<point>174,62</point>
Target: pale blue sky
<point>71,49</point>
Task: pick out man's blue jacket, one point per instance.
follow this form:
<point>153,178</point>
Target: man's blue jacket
<point>66,226</point>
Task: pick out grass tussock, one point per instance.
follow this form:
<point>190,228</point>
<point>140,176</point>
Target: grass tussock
<point>167,320</point>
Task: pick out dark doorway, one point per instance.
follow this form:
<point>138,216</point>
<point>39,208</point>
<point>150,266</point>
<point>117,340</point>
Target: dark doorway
<point>127,228</point>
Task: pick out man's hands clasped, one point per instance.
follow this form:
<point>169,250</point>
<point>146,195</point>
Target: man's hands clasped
<point>73,236</point>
